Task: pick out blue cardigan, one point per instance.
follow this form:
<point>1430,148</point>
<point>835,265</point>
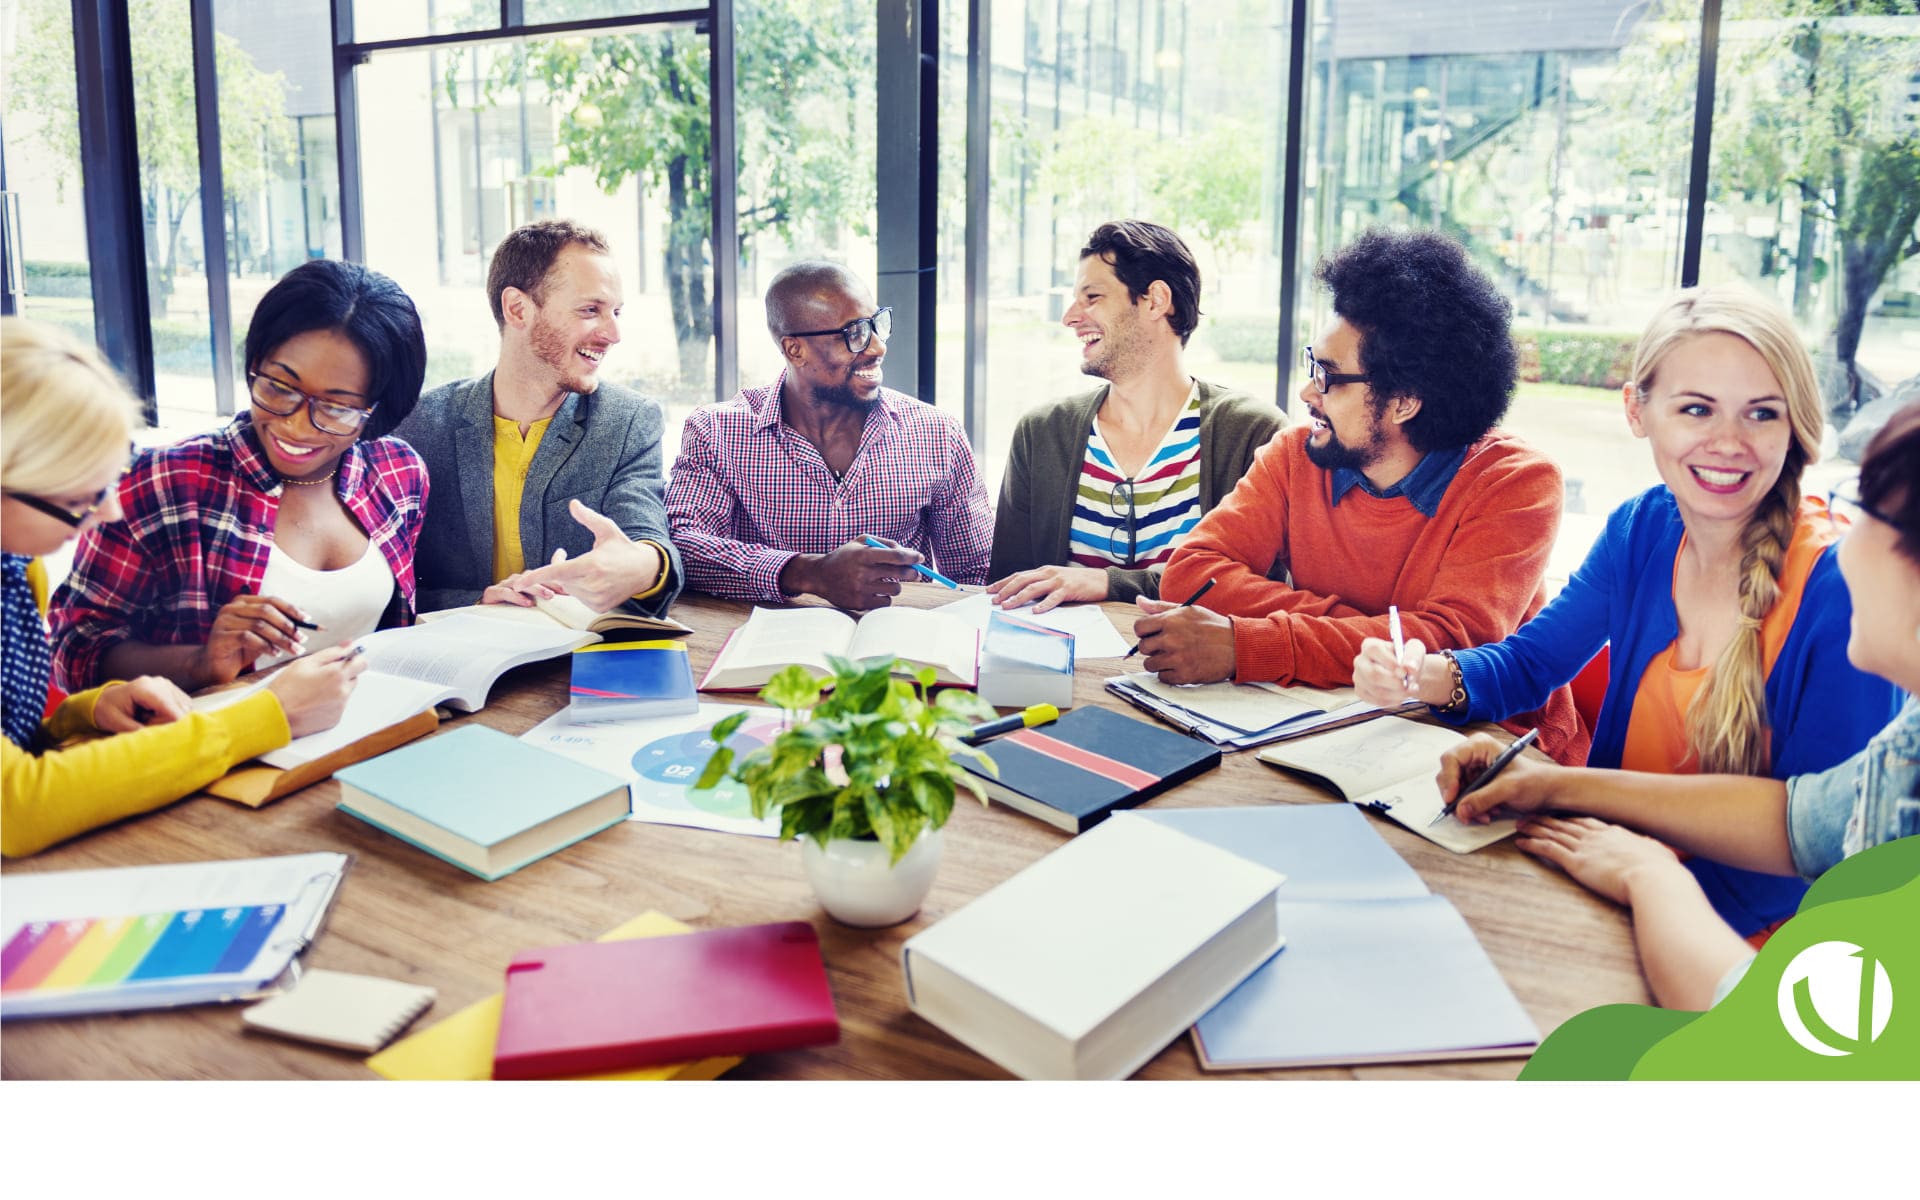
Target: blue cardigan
<point>1822,708</point>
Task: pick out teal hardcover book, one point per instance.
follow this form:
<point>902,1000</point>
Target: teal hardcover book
<point>485,802</point>
<point>617,681</point>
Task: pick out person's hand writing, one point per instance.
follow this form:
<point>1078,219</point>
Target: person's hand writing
<point>148,700</point>
<point>1048,587</point>
<point>313,690</point>
<point>1383,682</point>
<point>1604,858</point>
<point>615,570</point>
<point>1524,785</point>
<point>855,576</point>
<point>1184,644</point>
<point>245,628</point>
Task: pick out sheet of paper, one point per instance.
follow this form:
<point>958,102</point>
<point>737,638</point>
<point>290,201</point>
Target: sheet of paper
<point>1094,635</point>
<point>378,700</point>
<point>1244,708</point>
<point>1416,802</point>
<point>662,756</point>
<point>1366,758</point>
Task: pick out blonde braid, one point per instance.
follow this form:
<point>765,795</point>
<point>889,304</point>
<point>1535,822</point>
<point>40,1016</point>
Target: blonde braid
<point>1727,722</point>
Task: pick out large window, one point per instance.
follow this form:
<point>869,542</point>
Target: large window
<point>42,165</point>
<point>607,129</point>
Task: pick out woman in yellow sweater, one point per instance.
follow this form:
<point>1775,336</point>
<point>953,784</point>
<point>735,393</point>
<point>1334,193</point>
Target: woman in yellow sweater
<point>66,422</point>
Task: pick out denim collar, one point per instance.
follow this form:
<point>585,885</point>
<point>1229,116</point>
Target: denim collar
<point>1423,487</point>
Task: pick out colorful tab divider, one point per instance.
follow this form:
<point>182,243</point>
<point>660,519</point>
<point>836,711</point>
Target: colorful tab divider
<point>103,952</point>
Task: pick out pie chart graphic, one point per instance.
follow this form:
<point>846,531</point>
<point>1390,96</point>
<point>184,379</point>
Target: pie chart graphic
<point>667,767</point>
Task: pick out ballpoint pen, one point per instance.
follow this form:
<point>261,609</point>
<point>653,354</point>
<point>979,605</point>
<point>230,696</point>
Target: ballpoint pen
<point>929,572</point>
<point>1485,777</point>
<point>1189,602</point>
<point>1399,645</point>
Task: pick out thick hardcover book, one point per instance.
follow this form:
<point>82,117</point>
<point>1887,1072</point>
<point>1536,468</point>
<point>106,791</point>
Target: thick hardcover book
<point>483,801</point>
<point>608,1006</point>
<point>1074,772</point>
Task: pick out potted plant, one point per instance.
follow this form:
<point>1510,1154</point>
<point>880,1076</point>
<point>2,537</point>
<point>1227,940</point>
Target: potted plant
<point>865,775</point>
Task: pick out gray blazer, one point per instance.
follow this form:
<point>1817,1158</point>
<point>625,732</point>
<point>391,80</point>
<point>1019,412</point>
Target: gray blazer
<point>1033,523</point>
<point>603,450</point>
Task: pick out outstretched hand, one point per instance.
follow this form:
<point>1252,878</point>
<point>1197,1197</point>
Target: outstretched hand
<point>603,578</point>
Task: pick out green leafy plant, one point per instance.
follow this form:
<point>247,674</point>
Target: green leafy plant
<point>895,774</point>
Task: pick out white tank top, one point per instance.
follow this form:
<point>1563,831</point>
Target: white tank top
<point>346,604</point>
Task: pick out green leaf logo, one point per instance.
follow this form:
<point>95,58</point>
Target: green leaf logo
<point>1835,999</point>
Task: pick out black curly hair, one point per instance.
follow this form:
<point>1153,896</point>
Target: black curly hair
<point>1431,325</point>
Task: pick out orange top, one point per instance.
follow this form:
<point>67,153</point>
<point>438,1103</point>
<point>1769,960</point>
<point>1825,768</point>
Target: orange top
<point>1657,730</point>
<point>1468,575</point>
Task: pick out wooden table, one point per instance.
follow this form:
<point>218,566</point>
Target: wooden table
<point>407,915</point>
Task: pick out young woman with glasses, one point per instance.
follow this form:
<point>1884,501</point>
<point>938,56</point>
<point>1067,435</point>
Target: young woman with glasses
<point>291,528</point>
<point>68,420</point>
<point>1803,824</point>
<point>1722,609</point>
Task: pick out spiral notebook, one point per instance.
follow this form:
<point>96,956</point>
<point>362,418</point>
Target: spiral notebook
<point>350,1012</point>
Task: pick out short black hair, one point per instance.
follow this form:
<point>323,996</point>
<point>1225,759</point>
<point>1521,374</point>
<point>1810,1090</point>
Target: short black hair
<point>1433,326</point>
<point>1888,474</point>
<point>1139,253</point>
<point>793,296</point>
<point>363,306</point>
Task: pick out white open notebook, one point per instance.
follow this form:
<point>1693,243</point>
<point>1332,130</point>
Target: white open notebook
<point>1388,766</point>
<point>773,638</point>
<point>454,661</point>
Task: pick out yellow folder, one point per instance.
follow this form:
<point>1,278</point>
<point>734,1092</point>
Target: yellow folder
<point>461,1047</point>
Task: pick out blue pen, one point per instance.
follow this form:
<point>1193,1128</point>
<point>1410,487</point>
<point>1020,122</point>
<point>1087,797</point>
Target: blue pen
<point>929,572</point>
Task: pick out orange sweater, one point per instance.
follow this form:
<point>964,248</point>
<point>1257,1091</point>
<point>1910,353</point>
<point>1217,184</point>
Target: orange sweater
<point>1471,574</point>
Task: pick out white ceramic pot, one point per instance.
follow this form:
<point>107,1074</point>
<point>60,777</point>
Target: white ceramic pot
<point>857,886</point>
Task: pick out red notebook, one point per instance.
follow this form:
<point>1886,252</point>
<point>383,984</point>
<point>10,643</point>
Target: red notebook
<point>608,1006</point>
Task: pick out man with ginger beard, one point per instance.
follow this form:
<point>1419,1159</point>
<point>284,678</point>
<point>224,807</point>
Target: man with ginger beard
<point>775,491</point>
<point>546,478</point>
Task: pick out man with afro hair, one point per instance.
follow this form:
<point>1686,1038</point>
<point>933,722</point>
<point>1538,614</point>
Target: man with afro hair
<point>1398,491</point>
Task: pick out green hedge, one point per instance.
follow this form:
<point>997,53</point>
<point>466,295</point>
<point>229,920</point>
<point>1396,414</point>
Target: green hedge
<point>1243,337</point>
<point>57,270</point>
<point>1580,359</point>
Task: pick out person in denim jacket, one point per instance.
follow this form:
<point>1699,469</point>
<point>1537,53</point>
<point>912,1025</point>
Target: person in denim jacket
<point>1803,825</point>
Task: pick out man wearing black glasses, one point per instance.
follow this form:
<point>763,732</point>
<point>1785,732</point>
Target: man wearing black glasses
<point>776,492</point>
<point>545,477</point>
<point>1398,492</point>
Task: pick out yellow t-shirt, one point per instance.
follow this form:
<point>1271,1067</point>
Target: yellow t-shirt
<point>512,455</point>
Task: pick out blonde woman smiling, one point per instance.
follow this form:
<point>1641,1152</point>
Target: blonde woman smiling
<point>67,422</point>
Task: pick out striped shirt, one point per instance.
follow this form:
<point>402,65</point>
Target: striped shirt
<point>1108,530</point>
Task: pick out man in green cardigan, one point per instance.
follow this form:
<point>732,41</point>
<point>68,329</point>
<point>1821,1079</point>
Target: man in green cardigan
<point>1101,486</point>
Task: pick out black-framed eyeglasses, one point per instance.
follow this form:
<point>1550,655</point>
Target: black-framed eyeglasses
<point>60,512</point>
<point>1122,492</point>
<point>1845,507</point>
<point>283,400</point>
<point>1324,380</point>
<point>858,333</point>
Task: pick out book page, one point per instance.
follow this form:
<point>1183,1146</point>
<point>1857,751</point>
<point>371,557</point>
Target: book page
<point>776,637</point>
<point>1239,706</point>
<point>1415,802</point>
<point>377,701</point>
<point>1362,759</point>
<point>465,653</point>
<point>925,638</point>
<point>1093,633</point>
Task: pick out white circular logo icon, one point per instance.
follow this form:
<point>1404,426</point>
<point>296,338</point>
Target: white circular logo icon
<point>1835,998</point>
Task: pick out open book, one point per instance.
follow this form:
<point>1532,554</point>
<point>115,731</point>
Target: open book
<point>410,670</point>
<point>570,613</point>
<point>774,638</point>
<point>1388,767</point>
<point>1239,715</point>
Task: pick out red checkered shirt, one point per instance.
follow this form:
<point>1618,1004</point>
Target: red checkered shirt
<point>748,493</point>
<point>198,529</point>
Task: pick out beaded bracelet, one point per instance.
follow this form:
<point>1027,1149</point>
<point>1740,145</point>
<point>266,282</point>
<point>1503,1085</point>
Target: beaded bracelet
<point>1458,700</point>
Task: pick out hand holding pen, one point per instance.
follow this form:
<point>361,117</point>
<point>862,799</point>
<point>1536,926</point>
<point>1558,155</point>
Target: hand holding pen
<point>1468,771</point>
